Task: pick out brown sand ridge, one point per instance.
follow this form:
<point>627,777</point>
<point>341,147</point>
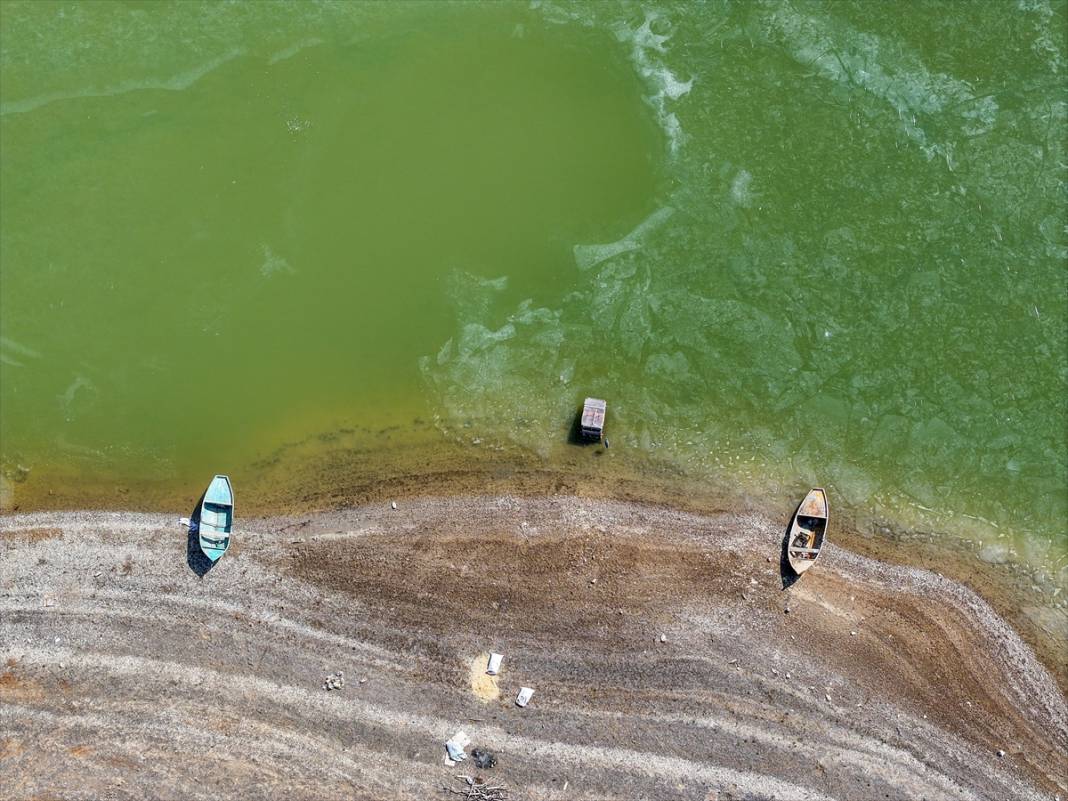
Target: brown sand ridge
<point>657,641</point>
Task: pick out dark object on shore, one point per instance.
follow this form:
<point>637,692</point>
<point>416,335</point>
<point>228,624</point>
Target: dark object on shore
<point>807,531</point>
<point>591,426</point>
<point>483,758</point>
<point>479,790</point>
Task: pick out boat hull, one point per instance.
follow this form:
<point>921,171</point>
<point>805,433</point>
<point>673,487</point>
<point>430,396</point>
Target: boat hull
<point>808,531</point>
<point>216,518</point>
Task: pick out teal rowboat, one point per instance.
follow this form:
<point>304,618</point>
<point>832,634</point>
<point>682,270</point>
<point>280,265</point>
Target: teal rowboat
<point>216,518</point>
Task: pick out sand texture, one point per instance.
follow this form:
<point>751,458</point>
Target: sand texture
<point>658,643</point>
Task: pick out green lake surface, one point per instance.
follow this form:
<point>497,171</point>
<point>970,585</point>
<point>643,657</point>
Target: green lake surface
<point>791,243</point>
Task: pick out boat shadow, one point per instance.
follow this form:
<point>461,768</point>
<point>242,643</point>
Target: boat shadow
<point>787,573</point>
<point>575,437</point>
<point>194,557</point>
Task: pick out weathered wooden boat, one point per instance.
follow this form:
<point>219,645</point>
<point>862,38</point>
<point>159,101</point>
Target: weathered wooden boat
<point>592,422</point>
<point>216,518</point>
<point>808,531</point>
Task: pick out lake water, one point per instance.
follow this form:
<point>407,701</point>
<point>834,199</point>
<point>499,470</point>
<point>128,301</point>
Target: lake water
<point>791,243</point>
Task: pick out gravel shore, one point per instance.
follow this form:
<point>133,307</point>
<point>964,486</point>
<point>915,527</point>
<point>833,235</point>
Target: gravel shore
<point>667,658</point>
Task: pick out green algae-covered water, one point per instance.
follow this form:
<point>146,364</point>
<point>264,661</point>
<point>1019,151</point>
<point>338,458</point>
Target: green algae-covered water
<point>790,242</point>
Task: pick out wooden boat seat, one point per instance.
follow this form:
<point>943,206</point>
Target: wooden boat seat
<point>805,550</point>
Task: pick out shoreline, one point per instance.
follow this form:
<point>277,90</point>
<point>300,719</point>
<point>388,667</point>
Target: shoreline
<point>349,468</point>
<point>925,682</point>
<point>357,467</point>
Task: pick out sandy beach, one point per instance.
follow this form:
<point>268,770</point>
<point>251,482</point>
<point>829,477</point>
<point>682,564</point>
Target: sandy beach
<point>668,660</point>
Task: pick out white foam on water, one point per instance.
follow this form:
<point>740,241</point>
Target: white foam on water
<point>886,71</point>
<point>274,264</point>
<point>515,371</point>
<point>12,346</point>
<point>1044,44</point>
<point>80,382</point>
<point>647,49</point>
<point>176,83</point>
<point>741,192</point>
<point>474,295</point>
<point>293,49</point>
<point>587,256</point>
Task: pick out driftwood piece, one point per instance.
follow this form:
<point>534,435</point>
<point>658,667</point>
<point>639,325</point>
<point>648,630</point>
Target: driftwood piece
<point>476,791</point>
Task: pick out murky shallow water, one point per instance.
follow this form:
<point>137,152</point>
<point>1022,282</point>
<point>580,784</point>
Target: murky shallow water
<point>790,243</point>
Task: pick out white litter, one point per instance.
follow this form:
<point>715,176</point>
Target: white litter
<point>183,521</point>
<point>456,746</point>
<point>393,505</point>
<point>494,666</point>
<point>525,694</point>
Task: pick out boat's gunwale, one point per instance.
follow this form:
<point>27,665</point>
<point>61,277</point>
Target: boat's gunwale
<point>214,549</point>
<point>819,533</point>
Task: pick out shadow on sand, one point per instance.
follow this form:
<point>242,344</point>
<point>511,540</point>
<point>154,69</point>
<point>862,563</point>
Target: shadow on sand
<point>194,557</point>
<point>789,577</point>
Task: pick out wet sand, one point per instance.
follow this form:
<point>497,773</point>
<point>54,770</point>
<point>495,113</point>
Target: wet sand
<point>658,642</point>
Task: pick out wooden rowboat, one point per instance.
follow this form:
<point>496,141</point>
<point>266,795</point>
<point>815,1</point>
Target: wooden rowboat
<point>808,531</point>
<point>216,518</point>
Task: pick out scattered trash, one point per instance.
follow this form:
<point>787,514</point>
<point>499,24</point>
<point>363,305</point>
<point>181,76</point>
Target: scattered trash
<point>334,681</point>
<point>456,746</point>
<point>827,696</point>
<point>1001,753</point>
<point>483,758</point>
<point>663,638</point>
<point>852,634</point>
<point>393,505</point>
<point>494,666</point>
<point>478,789</point>
<point>786,611</point>
<point>525,694</point>
<point>184,522</point>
